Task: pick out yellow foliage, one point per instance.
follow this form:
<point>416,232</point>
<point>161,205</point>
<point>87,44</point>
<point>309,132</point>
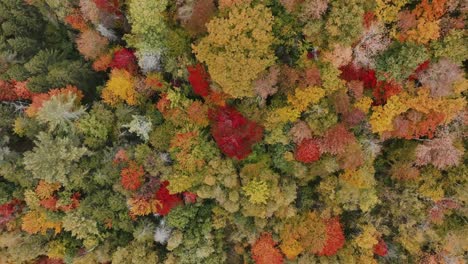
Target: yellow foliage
<point>387,10</point>
<point>36,222</point>
<point>361,178</point>
<point>382,117</point>
<point>238,48</point>
<point>331,80</point>
<point>139,206</point>
<point>282,115</point>
<point>276,135</point>
<point>432,190</point>
<point>303,233</point>
<point>460,86</point>
<point>411,240</point>
<point>229,3</point>
<point>291,248</point>
<point>143,206</point>
<point>368,238</point>
<point>56,250</point>
<point>304,97</point>
<point>426,104</point>
<point>363,104</point>
<point>258,191</point>
<point>180,183</point>
<point>19,126</point>
<point>45,190</point>
<point>120,88</point>
<point>424,32</point>
<point>31,199</point>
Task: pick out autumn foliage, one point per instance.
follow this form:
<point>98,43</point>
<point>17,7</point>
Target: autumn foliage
<point>131,176</point>
<point>307,151</point>
<point>199,79</point>
<point>265,252</point>
<point>234,133</point>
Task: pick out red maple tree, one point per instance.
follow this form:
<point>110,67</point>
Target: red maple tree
<point>234,133</point>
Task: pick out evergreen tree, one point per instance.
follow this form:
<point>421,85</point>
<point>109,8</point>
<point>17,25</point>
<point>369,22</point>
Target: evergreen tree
<point>40,51</point>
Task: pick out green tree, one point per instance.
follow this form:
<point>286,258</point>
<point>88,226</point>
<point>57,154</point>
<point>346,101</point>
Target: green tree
<point>35,49</point>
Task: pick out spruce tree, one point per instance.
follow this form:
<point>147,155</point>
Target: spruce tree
<point>39,50</point>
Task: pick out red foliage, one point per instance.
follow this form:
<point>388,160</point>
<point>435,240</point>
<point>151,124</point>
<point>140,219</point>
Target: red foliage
<point>351,73</point>
<point>369,17</point>
<point>131,176</point>
<point>75,202</point>
<point>111,6</point>
<point>199,79</point>
<point>166,200</point>
<point>234,133</point>
<point>264,251</point>
<point>335,237</point>
<point>47,260</point>
<point>190,197</point>
<point>353,117</point>
<point>336,139</point>
<point>384,90</point>
<point>13,90</point>
<point>307,151</point>
<point>49,203</point>
<point>422,67</point>
<point>7,210</point>
<point>6,91</point>
<point>381,90</point>
<point>381,248</point>
<point>124,59</point>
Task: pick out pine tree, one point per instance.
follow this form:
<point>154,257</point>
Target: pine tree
<point>38,50</point>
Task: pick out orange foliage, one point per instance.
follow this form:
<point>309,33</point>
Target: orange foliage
<point>303,233</point>
<point>13,90</point>
<point>198,113</point>
<point>422,24</point>
<point>37,222</point>
<point>153,81</point>
<point>76,20</point>
<point>413,125</point>
<point>102,62</point>
<point>431,10</point>
<point>131,176</point>
<point>139,206</point>
<point>335,237</point>
<point>39,99</point>
<point>265,252</point>
<point>45,190</point>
